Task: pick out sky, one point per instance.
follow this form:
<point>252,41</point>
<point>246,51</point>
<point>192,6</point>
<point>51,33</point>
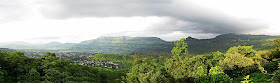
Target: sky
<point>73,21</point>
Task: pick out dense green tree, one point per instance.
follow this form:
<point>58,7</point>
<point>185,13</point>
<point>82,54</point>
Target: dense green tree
<point>277,43</point>
<point>53,75</point>
<point>184,68</point>
<point>233,61</point>
<point>258,77</point>
<point>216,75</point>
<point>49,57</point>
<point>247,51</point>
<point>33,76</point>
<point>175,65</point>
<point>217,67</point>
<point>181,48</point>
<point>1,75</point>
<point>146,71</point>
<point>16,67</point>
<point>240,60</point>
<point>215,57</point>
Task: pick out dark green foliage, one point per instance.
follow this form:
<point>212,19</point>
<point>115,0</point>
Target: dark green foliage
<point>215,75</point>
<point>16,67</point>
<point>1,75</point>
<point>147,71</point>
<point>270,66</point>
<point>33,76</point>
<point>260,78</point>
<point>276,79</point>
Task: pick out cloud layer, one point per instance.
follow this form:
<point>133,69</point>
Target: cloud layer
<point>77,20</point>
<point>181,15</point>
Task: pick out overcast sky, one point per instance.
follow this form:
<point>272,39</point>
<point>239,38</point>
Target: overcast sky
<point>73,21</point>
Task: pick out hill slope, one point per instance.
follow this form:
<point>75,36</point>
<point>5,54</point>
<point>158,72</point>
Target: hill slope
<point>125,45</point>
<point>223,42</point>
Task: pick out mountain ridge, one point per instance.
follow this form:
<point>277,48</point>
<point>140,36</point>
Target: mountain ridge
<point>126,45</point>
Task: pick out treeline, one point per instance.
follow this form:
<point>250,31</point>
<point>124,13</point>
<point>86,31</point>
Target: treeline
<point>238,64</point>
<point>17,67</point>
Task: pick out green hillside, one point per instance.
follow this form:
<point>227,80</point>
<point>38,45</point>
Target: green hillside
<point>125,45</point>
<point>152,45</point>
<point>223,42</point>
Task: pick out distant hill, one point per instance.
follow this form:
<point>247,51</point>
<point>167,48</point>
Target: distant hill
<point>19,46</point>
<point>51,45</point>
<point>125,45</point>
<point>224,41</point>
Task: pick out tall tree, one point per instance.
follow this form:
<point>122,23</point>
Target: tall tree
<point>181,48</point>
<point>184,68</point>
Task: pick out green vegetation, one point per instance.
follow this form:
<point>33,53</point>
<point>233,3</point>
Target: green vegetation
<point>124,60</point>
<point>223,42</point>
<point>239,63</point>
<point>16,67</point>
<point>125,45</point>
<point>153,45</point>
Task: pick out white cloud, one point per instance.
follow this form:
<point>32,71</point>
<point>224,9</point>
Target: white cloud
<point>72,30</point>
<point>42,21</point>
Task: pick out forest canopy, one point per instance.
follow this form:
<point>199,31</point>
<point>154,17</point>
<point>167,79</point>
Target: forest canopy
<point>237,64</point>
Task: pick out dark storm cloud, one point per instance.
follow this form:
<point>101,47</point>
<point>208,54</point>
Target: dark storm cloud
<point>105,8</point>
<point>182,15</point>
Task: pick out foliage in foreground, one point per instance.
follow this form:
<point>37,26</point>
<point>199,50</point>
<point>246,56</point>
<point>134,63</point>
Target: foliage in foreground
<point>237,64</point>
<point>16,67</point>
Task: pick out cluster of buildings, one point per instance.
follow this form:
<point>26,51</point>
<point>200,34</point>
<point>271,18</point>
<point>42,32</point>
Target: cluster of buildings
<point>62,55</point>
<point>78,58</point>
<point>109,65</point>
